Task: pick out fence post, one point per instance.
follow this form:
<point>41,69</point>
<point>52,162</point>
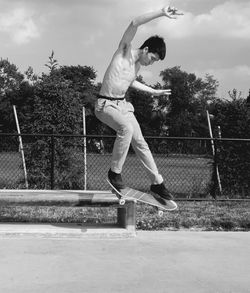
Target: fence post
<point>214,150</point>
<point>216,167</point>
<point>52,161</point>
<point>21,147</point>
<point>84,146</point>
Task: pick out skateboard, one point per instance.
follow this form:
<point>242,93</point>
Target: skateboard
<point>153,200</point>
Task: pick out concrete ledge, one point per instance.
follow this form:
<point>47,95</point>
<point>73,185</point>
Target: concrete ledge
<point>77,198</point>
<point>63,231</point>
<point>126,214</point>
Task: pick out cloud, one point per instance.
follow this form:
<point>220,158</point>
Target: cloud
<point>19,25</point>
<point>230,77</point>
<point>242,71</point>
<point>227,20</point>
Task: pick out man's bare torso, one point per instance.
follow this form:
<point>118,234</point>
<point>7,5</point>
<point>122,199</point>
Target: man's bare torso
<point>121,72</point>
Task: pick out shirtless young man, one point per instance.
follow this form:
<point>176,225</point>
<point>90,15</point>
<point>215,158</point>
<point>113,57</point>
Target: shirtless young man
<point>112,108</point>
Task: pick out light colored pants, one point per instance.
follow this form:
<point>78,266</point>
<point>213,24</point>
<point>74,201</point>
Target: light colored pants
<point>119,115</point>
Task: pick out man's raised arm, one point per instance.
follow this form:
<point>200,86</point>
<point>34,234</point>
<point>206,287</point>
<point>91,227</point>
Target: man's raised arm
<point>130,32</point>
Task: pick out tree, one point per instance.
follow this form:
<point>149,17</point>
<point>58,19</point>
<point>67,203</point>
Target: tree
<point>233,157</point>
<point>204,97</point>
<point>10,83</point>
<point>82,80</point>
<point>233,117</point>
<point>52,63</point>
<point>57,109</point>
<point>184,87</point>
<point>59,97</point>
<point>142,103</point>
<point>248,99</point>
<point>188,101</point>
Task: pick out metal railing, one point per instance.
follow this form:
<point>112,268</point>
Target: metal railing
<point>56,161</point>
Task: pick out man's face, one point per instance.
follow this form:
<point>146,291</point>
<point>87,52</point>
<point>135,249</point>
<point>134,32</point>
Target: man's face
<point>148,58</point>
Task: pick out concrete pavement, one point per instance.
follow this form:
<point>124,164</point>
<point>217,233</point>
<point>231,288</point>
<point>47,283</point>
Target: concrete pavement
<point>174,262</point>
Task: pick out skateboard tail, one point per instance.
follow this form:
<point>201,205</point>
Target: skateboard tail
<point>169,206</point>
<point>173,204</point>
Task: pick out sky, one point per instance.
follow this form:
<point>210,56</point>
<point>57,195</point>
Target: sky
<point>212,37</point>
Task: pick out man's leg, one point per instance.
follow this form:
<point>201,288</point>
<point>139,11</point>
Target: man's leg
<point>142,150</point>
<point>124,131</point>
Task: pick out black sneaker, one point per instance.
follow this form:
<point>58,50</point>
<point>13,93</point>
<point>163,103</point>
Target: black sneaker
<point>116,180</point>
<point>162,191</point>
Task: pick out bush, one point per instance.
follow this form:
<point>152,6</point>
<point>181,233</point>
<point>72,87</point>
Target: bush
<point>233,157</point>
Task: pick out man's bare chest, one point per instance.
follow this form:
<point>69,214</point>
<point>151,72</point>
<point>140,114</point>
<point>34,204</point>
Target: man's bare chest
<point>125,69</point>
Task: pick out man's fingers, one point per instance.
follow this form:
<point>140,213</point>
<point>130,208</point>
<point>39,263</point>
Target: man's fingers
<point>174,11</point>
<point>167,92</point>
<point>162,93</point>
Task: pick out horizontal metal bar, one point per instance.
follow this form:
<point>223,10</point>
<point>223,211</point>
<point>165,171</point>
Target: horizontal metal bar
<point>112,136</point>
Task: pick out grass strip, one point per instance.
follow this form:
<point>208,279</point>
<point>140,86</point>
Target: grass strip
<point>204,216</point>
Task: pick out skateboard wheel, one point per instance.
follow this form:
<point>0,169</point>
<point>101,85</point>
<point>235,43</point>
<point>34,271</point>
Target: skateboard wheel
<point>160,213</point>
<point>122,201</point>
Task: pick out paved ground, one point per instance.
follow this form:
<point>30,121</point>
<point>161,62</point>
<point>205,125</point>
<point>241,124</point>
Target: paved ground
<point>151,262</point>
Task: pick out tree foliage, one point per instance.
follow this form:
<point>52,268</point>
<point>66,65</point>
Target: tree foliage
<point>52,103</point>
<point>56,107</point>
<point>10,82</point>
<point>188,101</point>
<point>233,157</point>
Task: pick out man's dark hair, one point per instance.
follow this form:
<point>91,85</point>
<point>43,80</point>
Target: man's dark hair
<point>155,44</point>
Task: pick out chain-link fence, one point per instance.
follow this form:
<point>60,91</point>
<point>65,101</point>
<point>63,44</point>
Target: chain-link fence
<point>187,164</point>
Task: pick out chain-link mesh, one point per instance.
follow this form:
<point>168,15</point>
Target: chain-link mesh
<point>186,172</point>
<point>187,164</point>
<point>11,172</point>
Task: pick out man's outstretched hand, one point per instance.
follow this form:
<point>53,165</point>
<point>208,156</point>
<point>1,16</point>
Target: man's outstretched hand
<point>171,12</point>
<point>162,92</point>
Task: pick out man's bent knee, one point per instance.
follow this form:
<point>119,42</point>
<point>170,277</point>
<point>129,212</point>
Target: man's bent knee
<point>126,130</point>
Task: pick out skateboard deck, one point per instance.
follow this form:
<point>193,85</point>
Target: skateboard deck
<point>153,200</point>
